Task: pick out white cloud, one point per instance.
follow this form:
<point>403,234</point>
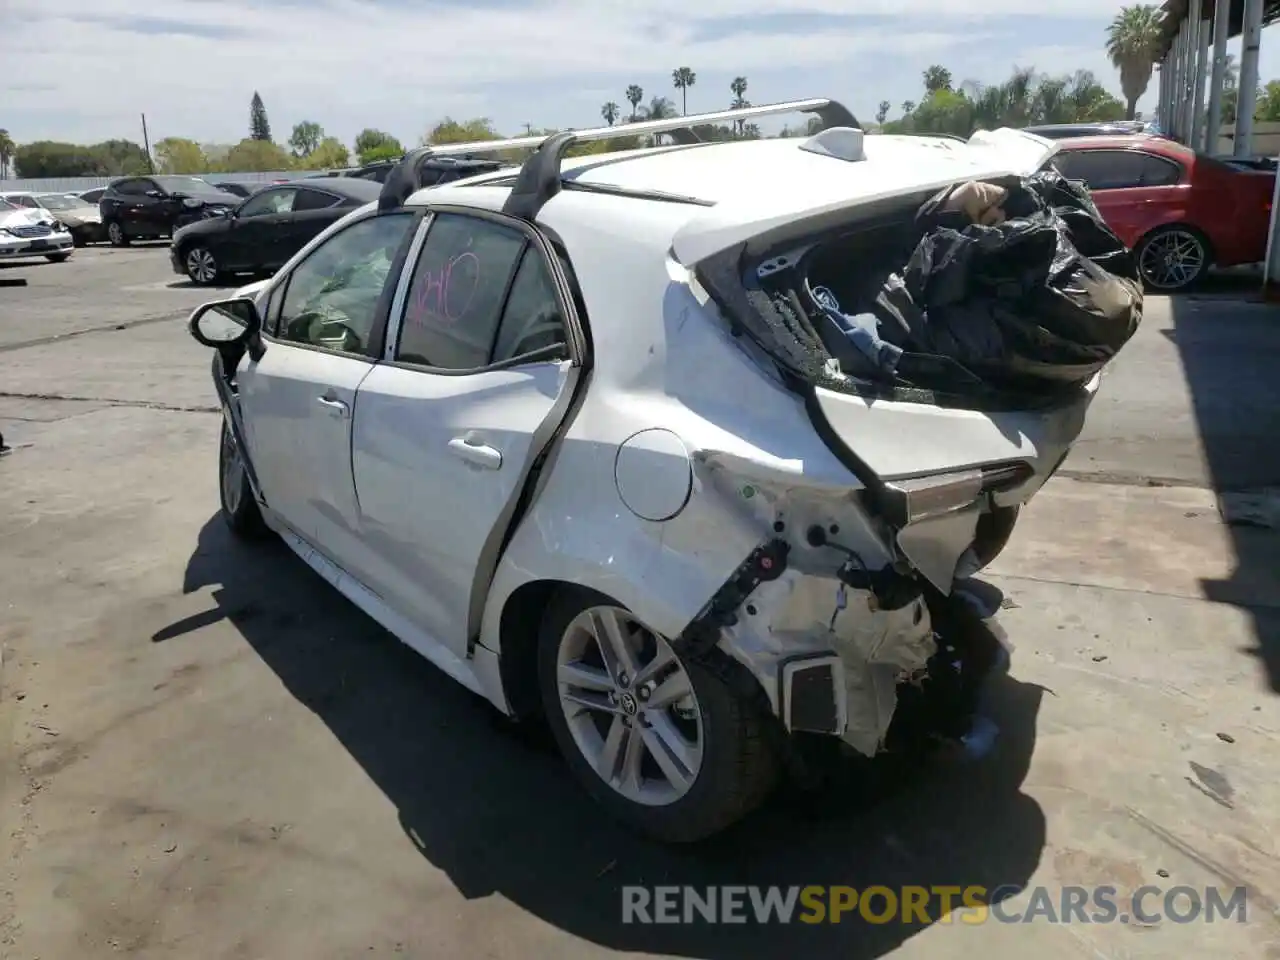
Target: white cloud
<point>353,63</point>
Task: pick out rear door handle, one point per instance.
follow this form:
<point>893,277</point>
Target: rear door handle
<point>335,406</point>
<point>481,454</point>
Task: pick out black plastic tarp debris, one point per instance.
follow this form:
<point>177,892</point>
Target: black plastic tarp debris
<point>1047,295</point>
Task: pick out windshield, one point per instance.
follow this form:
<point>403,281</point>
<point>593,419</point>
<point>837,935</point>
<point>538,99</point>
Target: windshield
<point>58,201</point>
<point>186,185</point>
<point>6,206</point>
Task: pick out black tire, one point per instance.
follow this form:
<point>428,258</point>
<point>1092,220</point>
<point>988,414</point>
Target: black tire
<point>738,768</point>
<point>57,257</point>
<point>201,265</point>
<point>239,508</point>
<point>1190,255</point>
<point>116,235</point>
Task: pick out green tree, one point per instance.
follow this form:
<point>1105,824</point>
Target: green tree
<point>449,130</point>
<point>659,108</point>
<point>7,146</point>
<point>937,78</point>
<point>260,156</point>
<point>1268,105</point>
<point>306,137</point>
<point>259,126</point>
<point>682,78</point>
<point>121,158</point>
<point>635,94</point>
<point>52,158</point>
<point>882,112</point>
<point>177,155</point>
<point>373,145</point>
<point>908,106</point>
<point>330,153</point>
<point>1132,39</point>
<point>610,113</point>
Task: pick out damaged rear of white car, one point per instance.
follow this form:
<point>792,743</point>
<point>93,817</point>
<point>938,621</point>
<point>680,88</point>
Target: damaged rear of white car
<point>764,549</point>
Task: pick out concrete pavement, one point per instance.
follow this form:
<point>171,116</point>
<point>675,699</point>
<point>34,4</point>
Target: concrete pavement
<point>212,754</point>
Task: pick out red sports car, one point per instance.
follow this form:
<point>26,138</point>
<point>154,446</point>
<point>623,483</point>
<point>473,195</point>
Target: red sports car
<point>1180,211</point>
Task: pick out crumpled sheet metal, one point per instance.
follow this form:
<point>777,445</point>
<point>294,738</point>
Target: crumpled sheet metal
<point>806,612</point>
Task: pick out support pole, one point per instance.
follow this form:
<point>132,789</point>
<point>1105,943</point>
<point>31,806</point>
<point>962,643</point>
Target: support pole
<point>1198,117</point>
<point>1218,78</point>
<point>1248,97</point>
<point>1180,84</point>
<point>1192,125</point>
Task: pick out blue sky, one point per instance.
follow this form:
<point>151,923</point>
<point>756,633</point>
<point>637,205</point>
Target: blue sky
<point>88,68</point>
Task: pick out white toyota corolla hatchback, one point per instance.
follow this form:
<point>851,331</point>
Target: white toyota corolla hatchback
<point>544,426</point>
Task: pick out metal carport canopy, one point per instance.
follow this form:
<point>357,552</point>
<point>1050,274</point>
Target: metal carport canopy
<point>1174,12</point>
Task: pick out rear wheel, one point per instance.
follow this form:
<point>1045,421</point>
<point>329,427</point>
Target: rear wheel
<point>1173,257</point>
<point>116,234</point>
<point>659,741</point>
<point>202,266</point>
<point>239,508</point>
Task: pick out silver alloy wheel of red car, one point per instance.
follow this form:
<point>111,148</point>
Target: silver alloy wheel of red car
<point>1172,258</point>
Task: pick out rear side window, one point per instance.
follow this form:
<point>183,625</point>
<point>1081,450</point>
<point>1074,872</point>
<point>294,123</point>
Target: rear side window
<point>456,296</point>
<point>313,200</point>
<point>1117,169</point>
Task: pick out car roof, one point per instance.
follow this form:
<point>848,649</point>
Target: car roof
<point>349,187</point>
<point>16,193</point>
<point>1130,141</point>
<point>715,172</point>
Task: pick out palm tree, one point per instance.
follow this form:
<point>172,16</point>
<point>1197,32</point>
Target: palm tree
<point>7,148</point>
<point>682,78</point>
<point>937,78</point>
<point>659,108</point>
<point>610,112</point>
<point>882,112</point>
<point>908,106</point>
<point>739,89</point>
<point>1132,38</point>
<point>635,94</point>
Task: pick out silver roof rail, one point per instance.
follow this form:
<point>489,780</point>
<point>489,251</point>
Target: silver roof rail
<point>539,178</point>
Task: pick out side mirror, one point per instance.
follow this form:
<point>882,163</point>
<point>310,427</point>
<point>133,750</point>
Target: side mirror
<point>225,323</point>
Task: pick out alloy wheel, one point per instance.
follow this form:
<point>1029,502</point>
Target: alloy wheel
<point>232,472</point>
<point>115,233</point>
<point>201,267</point>
<point>630,706</point>
<point>1171,260</point>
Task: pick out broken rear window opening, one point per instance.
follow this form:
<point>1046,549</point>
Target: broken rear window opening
<point>988,295</point>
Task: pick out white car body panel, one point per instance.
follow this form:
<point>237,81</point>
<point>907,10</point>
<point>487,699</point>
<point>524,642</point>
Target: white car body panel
<point>391,503</point>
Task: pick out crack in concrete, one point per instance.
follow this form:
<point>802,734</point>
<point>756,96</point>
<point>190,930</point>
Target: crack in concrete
<point>72,334</point>
<point>110,402</point>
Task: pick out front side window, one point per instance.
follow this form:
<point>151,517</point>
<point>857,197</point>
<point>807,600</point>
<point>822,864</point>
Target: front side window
<point>332,297</point>
<point>268,202</point>
<point>457,293</point>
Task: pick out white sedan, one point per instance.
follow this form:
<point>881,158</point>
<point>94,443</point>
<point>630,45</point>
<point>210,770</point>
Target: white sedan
<point>532,423</point>
<point>27,232</point>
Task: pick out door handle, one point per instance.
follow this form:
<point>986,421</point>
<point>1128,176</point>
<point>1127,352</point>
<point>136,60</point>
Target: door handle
<point>335,406</point>
<point>481,454</point>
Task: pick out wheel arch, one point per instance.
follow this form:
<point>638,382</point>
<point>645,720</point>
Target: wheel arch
<point>1210,250</point>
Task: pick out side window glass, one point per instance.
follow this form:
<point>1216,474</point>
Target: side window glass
<point>1107,169</point>
<point>268,202</point>
<point>532,319</point>
<point>1158,172</point>
<point>332,297</point>
<point>456,295</point>
<point>313,200</point>
<point>127,187</point>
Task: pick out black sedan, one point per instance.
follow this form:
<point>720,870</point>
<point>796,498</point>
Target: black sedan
<point>264,231</point>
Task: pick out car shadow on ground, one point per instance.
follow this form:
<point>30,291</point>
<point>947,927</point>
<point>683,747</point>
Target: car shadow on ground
<point>494,807</point>
<point>1229,342</point>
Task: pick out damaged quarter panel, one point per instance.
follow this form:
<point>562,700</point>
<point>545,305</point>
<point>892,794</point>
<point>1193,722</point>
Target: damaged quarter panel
<point>757,472</point>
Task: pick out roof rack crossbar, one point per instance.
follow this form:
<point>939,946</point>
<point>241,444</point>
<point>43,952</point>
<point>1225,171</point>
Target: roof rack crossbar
<point>539,178</point>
